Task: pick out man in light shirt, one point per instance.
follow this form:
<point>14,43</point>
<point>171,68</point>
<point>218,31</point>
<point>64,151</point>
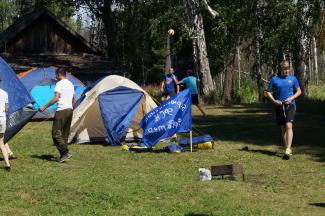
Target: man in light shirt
<point>191,83</point>
<point>3,109</point>
<point>64,96</point>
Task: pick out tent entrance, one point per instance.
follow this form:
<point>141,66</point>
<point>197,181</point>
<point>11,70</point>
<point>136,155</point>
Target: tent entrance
<point>118,108</point>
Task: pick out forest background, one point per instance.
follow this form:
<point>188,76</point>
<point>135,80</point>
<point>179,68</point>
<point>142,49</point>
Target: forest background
<point>235,46</point>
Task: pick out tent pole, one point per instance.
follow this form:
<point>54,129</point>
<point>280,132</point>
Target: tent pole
<point>191,146</point>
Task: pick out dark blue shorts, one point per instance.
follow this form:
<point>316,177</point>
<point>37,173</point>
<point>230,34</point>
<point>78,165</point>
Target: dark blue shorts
<point>195,99</point>
<point>285,113</point>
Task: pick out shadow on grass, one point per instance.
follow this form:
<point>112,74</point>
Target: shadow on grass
<point>11,158</point>
<point>255,124</point>
<point>193,214</point>
<point>260,151</point>
<point>159,151</point>
<point>45,157</point>
<point>318,204</point>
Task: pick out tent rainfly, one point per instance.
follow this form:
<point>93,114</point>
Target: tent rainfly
<point>20,108</point>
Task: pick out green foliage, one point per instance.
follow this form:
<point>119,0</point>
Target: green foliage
<point>317,92</point>
<point>236,24</point>
<point>144,36</point>
<point>247,94</point>
<point>9,11</point>
<point>65,10</point>
<point>214,97</point>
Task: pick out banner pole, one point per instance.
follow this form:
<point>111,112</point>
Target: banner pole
<point>191,146</point>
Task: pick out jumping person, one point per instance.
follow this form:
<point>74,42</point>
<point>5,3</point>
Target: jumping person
<point>4,104</point>
<point>191,83</point>
<point>286,89</point>
<point>168,85</point>
<point>64,95</point>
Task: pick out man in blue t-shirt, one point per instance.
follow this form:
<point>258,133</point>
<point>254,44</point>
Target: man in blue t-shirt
<point>168,85</point>
<point>191,83</point>
<point>282,91</point>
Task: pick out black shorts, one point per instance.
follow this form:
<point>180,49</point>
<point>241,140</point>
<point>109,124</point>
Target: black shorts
<point>170,94</point>
<point>195,99</point>
<point>285,113</point>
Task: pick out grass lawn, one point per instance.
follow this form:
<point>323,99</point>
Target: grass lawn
<point>101,180</point>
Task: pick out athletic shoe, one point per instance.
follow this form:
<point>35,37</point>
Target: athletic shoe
<point>287,154</point>
<point>288,151</point>
<point>8,168</point>
<point>11,154</point>
<point>64,157</point>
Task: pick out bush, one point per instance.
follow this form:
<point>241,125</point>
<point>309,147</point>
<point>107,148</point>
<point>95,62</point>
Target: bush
<point>247,94</point>
<point>317,92</point>
<point>214,97</point>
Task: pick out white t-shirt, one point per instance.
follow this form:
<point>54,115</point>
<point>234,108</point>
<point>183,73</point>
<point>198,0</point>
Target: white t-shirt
<point>66,90</point>
<point>3,102</point>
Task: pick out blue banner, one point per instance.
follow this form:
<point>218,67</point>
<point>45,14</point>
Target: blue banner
<point>172,116</point>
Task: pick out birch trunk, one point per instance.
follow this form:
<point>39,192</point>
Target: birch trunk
<point>239,65</point>
<point>259,72</point>
<point>196,20</point>
<point>315,61</point>
<point>258,57</point>
<point>301,56</point>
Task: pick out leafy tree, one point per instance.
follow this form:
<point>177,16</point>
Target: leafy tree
<point>9,11</point>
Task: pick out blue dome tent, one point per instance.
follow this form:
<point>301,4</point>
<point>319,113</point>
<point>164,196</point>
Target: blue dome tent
<point>110,111</point>
<point>40,82</point>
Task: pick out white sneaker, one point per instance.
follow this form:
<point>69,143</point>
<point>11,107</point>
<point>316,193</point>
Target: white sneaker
<point>288,151</point>
<point>10,154</point>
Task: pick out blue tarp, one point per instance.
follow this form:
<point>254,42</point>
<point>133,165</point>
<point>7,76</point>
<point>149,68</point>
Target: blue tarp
<point>195,140</point>
<point>19,97</point>
<point>118,107</point>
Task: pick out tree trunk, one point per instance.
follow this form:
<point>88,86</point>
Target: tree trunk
<point>301,55</point>
<point>315,61</point>
<point>196,21</point>
<point>196,64</point>
<point>258,63</point>
<point>258,72</point>
<point>107,17</point>
<point>228,82</point>
<point>301,74</point>
<point>301,65</point>
<point>239,65</point>
<point>168,63</point>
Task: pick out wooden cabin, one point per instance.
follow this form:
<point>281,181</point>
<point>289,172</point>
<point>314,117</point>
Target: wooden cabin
<point>41,32</point>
